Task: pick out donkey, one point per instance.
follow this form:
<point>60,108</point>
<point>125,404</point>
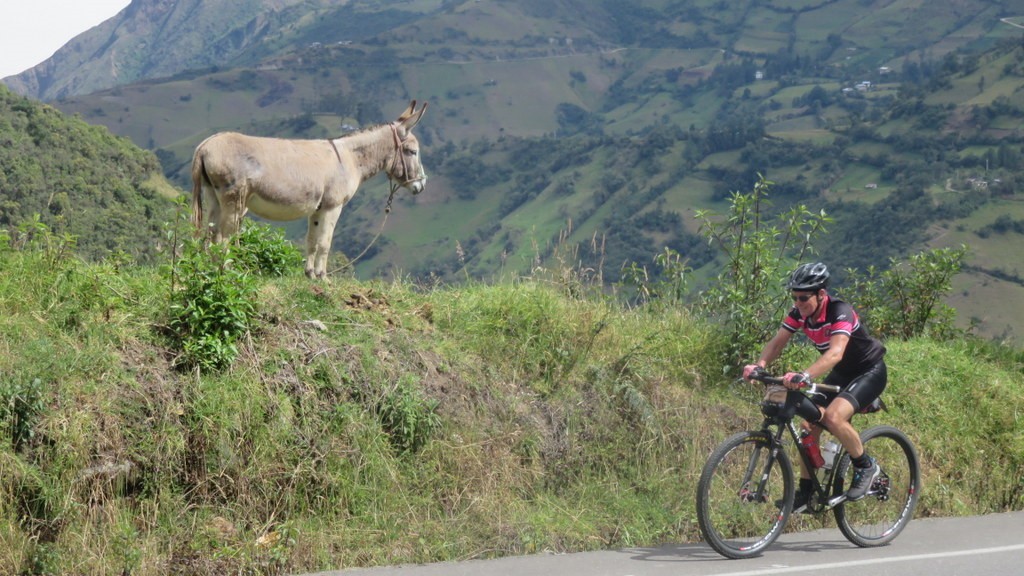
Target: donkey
<point>281,179</point>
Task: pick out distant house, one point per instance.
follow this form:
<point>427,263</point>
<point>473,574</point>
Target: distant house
<point>884,70</point>
<point>871,186</point>
<point>759,75</point>
<point>863,86</point>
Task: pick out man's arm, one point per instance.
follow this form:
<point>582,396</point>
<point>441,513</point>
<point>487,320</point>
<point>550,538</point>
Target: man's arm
<point>824,364</point>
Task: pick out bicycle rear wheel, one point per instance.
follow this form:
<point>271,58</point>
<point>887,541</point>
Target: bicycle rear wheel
<point>737,493</point>
<point>889,506</point>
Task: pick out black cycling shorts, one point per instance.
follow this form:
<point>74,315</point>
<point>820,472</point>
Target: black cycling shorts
<point>860,390</point>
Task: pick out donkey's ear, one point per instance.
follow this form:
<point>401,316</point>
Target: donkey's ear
<point>415,118</point>
<point>407,114</point>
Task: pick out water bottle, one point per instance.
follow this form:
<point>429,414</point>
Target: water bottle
<point>810,445</point>
<point>829,452</point>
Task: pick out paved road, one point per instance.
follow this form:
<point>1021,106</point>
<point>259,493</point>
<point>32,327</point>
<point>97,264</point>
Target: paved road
<point>990,545</point>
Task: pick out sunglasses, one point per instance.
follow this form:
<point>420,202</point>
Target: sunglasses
<point>802,297</point>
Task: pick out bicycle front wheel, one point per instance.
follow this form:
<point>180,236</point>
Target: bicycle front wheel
<point>889,505</point>
<point>745,495</point>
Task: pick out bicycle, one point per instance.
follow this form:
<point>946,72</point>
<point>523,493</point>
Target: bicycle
<point>746,488</point>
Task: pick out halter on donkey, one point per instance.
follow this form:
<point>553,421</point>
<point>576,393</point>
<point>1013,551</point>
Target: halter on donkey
<point>280,179</point>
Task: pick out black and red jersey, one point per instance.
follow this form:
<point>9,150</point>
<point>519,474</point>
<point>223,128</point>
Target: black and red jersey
<point>837,317</point>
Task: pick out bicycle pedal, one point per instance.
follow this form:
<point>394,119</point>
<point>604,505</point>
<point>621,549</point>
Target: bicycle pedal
<point>880,487</point>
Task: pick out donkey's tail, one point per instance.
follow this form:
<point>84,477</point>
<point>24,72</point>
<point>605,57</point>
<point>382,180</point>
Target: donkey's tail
<point>198,176</point>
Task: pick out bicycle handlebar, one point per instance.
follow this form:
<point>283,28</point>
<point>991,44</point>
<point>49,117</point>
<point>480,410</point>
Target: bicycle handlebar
<point>810,386</point>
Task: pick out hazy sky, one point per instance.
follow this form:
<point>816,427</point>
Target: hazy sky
<point>32,30</point>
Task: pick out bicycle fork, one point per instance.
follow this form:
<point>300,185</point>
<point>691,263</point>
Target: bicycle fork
<point>758,493</point>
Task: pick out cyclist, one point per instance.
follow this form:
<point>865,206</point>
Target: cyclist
<point>850,358</point>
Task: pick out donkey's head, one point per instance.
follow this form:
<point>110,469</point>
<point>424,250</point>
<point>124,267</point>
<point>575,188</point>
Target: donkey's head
<point>407,168</point>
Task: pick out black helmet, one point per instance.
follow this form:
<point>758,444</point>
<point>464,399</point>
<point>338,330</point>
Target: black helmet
<point>809,277</point>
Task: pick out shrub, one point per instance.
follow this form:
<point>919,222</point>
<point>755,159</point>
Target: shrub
<point>213,308</point>
<point>407,416</point>
<point>264,250</point>
<point>905,301</point>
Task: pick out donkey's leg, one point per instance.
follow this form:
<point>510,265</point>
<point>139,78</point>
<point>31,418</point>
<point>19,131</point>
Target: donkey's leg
<point>318,241</point>
<point>211,214</point>
<point>232,209</point>
<point>311,241</point>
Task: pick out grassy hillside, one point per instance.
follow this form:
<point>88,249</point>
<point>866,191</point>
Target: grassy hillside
<point>80,180</point>
<point>369,423</point>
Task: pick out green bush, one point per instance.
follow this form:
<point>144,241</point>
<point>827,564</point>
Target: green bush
<point>264,250</point>
<point>408,416</point>
<point>214,306</point>
<point>905,301</point>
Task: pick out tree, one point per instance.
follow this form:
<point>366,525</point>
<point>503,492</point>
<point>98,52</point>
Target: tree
<point>758,251</point>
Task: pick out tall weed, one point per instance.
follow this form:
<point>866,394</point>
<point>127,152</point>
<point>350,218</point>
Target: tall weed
<point>565,266</point>
<point>668,288</point>
<point>35,236</point>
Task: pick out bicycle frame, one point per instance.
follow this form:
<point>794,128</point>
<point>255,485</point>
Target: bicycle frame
<point>822,501</point>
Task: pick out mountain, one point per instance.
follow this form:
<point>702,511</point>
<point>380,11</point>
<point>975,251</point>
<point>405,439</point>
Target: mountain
<point>606,124</point>
<point>155,38</point>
